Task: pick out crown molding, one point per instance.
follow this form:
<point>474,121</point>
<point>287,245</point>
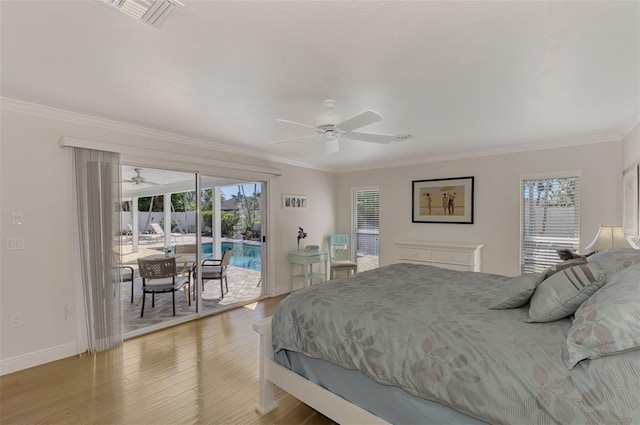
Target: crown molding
<point>504,150</point>
<point>108,124</point>
<point>83,119</point>
<point>630,126</point>
<point>49,112</point>
<point>304,165</point>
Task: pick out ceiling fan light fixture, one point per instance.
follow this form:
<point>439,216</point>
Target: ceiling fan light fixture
<point>332,128</point>
<point>331,144</point>
<point>138,179</point>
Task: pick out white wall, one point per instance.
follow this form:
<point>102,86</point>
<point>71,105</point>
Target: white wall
<point>317,220</point>
<point>497,199</point>
<point>632,147</point>
<point>38,282</point>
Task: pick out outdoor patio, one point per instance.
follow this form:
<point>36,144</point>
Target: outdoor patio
<point>244,285</point>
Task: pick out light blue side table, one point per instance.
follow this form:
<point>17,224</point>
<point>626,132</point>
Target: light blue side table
<point>306,259</point>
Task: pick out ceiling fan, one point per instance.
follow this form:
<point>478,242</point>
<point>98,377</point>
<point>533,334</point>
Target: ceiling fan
<point>332,128</point>
<point>138,179</point>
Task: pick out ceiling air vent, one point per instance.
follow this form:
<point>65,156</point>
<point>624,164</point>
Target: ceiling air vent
<point>152,12</point>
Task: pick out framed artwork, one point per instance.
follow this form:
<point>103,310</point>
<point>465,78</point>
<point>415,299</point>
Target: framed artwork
<point>442,200</point>
<point>294,201</point>
<point>630,219</point>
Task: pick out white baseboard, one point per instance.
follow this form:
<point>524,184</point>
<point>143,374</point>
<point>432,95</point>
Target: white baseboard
<point>36,358</point>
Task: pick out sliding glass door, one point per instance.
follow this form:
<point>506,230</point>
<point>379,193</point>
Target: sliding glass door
<point>157,216</point>
<point>194,219</point>
<point>232,214</point>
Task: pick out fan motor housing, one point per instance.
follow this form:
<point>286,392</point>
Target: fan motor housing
<point>326,122</point>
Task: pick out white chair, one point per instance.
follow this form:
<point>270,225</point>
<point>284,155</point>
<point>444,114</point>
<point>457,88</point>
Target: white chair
<point>159,231</point>
<point>339,257</point>
<point>123,273</point>
<point>160,276</point>
<point>216,270</point>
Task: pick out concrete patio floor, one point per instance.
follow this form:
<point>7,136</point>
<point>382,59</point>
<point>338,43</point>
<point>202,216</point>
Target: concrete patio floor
<point>244,287</point>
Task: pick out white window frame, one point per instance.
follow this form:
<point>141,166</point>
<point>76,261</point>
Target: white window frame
<point>551,258</point>
<point>354,224</point>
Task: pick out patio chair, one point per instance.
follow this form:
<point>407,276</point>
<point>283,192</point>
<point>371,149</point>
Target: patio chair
<point>123,274</point>
<point>339,255</point>
<point>216,269</point>
<point>184,249</point>
<point>160,276</point>
<point>159,231</point>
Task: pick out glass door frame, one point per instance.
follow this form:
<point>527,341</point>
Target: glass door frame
<point>198,312</point>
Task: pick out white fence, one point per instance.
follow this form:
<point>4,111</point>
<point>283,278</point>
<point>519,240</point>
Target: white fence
<point>184,221</point>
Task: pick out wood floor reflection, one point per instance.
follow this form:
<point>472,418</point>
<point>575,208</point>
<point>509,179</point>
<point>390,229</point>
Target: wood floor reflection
<point>201,372</point>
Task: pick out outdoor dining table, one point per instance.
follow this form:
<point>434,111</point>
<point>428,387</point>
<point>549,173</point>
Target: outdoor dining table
<point>187,261</point>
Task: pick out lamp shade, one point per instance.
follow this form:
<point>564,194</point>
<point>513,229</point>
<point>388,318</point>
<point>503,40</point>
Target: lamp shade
<point>609,237</point>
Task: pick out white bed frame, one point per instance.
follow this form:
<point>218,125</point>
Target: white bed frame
<point>322,400</point>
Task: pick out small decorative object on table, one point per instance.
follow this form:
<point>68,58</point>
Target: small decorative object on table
<point>312,248</point>
<point>301,235</point>
<point>167,251</point>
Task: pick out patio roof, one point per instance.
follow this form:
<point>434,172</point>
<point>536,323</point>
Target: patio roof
<point>158,181</point>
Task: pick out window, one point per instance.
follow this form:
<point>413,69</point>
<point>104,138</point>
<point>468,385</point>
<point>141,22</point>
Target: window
<point>550,219</point>
<point>366,227</point>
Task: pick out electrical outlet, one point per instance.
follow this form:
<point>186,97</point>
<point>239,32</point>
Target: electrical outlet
<point>16,320</point>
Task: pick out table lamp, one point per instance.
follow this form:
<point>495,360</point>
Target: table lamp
<point>609,237</point>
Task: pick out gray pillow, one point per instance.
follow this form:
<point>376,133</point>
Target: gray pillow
<point>564,265</point>
<point>560,295</point>
<point>615,259</point>
<point>609,321</point>
<point>517,291</point>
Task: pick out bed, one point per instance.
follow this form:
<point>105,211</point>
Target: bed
<point>413,343</point>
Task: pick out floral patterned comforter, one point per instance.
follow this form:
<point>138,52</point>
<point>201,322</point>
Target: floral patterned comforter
<point>428,330</point>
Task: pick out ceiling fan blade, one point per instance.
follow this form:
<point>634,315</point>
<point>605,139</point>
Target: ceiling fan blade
<point>377,138</point>
<point>370,137</point>
<point>296,123</point>
<point>293,139</point>
<point>362,120</point>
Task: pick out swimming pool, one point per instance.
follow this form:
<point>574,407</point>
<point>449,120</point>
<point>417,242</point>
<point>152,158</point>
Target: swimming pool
<point>244,255</point>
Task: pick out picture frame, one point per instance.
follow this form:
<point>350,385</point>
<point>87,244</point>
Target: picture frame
<point>294,201</point>
<point>630,201</point>
<point>447,200</point>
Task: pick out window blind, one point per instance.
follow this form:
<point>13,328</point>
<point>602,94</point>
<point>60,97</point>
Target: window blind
<point>550,220</point>
<point>367,221</point>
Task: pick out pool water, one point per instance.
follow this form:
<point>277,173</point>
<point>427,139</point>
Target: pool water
<point>245,256</point>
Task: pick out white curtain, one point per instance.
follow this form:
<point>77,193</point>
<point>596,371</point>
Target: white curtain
<point>97,189</point>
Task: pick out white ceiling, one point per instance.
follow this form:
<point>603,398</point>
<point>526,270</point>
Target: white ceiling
<point>460,76</point>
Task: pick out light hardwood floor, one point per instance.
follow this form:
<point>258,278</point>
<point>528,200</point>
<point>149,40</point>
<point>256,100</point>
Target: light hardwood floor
<point>201,372</point>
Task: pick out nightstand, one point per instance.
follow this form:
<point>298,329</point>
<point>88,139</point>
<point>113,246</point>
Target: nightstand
<point>306,259</point>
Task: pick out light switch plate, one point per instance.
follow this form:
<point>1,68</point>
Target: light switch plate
<point>16,242</point>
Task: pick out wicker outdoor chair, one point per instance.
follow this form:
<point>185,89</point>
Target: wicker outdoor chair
<point>160,276</point>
